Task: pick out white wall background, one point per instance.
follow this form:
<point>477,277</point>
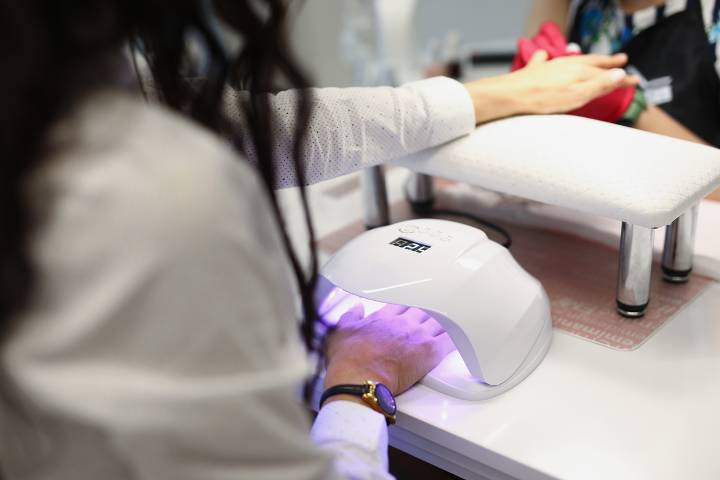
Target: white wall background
<point>495,24</point>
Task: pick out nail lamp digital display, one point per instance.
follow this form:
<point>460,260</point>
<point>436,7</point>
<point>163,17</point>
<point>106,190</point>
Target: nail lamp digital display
<point>497,315</point>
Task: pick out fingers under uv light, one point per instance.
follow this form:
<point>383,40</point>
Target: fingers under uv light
<point>330,303</point>
<point>394,309</point>
<point>417,315</point>
<point>444,345</point>
<point>433,328</point>
<point>356,313</point>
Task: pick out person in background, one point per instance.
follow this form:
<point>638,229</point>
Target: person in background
<point>672,45</point>
<point>156,321</point>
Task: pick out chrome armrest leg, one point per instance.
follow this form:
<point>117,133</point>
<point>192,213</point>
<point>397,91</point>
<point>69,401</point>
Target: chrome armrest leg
<point>679,250</point>
<point>376,212</point>
<point>634,270</point>
<point>419,192</point>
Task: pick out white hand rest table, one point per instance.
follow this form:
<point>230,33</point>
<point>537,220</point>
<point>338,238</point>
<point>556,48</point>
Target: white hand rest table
<point>645,180</point>
<point>589,412</point>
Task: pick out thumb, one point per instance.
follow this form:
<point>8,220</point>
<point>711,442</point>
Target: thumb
<point>526,49</point>
<point>442,346</point>
<point>542,44</point>
<point>541,56</point>
<point>355,314</point>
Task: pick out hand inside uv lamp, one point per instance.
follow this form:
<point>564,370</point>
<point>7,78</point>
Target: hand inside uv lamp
<point>396,346</point>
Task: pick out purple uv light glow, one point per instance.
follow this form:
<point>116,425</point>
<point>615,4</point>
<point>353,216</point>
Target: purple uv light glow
<point>339,301</point>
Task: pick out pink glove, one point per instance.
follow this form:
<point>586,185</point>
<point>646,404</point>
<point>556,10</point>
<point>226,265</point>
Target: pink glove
<point>608,108</point>
<point>525,51</point>
<point>549,38</point>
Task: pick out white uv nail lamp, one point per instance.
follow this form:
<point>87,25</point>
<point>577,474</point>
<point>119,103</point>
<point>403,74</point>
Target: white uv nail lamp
<point>497,315</point>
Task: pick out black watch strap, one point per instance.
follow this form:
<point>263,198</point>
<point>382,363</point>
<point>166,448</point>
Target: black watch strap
<point>375,395</point>
<point>355,390</point>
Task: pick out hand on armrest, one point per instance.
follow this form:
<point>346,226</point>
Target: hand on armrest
<point>542,87</point>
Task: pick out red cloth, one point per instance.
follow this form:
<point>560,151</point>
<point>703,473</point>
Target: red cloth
<point>608,108</point>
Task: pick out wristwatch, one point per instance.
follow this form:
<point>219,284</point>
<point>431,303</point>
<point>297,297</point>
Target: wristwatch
<point>376,395</point>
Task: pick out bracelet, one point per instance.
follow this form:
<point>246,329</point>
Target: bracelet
<point>636,108</point>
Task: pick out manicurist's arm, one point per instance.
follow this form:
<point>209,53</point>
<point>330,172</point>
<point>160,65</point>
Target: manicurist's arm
<point>355,128</point>
<point>655,120</point>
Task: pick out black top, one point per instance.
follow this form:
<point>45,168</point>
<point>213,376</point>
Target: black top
<point>675,54</point>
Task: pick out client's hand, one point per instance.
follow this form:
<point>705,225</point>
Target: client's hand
<point>554,86</point>
<point>609,107</point>
<point>396,346</point>
<point>573,81</point>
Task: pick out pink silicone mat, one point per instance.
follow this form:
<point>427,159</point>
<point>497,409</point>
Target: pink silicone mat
<point>580,277</point>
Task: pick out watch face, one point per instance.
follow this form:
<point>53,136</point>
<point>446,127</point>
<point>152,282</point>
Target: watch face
<point>385,399</point>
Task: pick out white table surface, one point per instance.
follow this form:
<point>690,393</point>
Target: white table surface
<point>587,412</point>
<point>590,412</point>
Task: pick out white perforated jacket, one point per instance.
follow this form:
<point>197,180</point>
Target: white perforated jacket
<point>162,340</point>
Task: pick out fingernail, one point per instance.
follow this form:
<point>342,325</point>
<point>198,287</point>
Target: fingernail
<point>617,74</point>
<point>573,48</point>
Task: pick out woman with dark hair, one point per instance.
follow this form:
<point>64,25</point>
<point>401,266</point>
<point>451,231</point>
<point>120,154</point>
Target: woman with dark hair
<point>147,312</point>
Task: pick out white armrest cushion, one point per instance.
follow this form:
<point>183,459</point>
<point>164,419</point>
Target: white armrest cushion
<point>591,166</point>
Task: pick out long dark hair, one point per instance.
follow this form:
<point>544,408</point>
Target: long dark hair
<point>54,53</point>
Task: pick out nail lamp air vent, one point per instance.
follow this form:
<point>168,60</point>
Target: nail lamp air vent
<point>497,314</point>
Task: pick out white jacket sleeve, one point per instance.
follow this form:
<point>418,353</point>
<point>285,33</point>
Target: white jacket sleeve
<point>166,325</point>
<point>357,438</point>
<point>355,128</point>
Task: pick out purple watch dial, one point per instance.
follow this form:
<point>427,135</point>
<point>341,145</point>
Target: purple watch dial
<point>385,398</point>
